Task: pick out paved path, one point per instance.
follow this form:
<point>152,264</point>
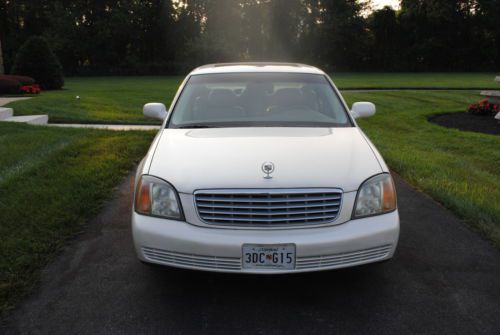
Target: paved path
<point>444,280</point>
<point>118,127</point>
<point>403,89</point>
<point>5,101</point>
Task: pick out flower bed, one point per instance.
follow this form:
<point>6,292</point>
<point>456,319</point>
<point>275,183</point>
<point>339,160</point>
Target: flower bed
<point>467,122</point>
<point>10,84</point>
<point>484,107</point>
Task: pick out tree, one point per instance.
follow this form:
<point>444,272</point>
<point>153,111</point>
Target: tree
<point>449,35</point>
<point>386,43</point>
<point>166,36</point>
<point>285,29</point>
<point>36,59</point>
<point>488,14</point>
<point>339,31</point>
<point>2,68</point>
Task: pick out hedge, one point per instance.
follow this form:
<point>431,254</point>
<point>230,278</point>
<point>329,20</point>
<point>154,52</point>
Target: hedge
<point>36,59</point>
<point>9,86</point>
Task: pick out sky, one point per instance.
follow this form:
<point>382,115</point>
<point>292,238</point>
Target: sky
<point>381,3</point>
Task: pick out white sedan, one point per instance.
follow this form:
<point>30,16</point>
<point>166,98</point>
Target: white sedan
<point>261,168</point>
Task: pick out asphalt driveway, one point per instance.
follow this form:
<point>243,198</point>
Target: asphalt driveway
<point>444,279</point>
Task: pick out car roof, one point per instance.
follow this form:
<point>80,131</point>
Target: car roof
<point>256,67</point>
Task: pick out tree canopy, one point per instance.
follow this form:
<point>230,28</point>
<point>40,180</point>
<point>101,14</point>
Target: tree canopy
<point>173,36</point>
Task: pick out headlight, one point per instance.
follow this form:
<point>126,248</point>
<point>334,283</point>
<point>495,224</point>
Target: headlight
<point>376,196</point>
<point>156,197</point>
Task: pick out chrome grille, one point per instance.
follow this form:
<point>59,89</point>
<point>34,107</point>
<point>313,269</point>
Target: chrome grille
<point>268,207</point>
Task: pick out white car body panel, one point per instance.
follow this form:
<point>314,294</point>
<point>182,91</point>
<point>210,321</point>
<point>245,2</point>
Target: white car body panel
<point>199,248</point>
<point>231,158</point>
<point>256,68</point>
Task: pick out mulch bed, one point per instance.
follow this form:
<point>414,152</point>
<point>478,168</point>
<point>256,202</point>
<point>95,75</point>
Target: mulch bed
<point>468,122</point>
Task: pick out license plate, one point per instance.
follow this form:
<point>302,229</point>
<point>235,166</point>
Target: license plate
<point>269,256</point>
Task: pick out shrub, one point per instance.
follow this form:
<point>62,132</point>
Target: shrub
<point>36,59</point>
<point>9,86</point>
<point>23,80</point>
<point>484,107</point>
<point>12,84</point>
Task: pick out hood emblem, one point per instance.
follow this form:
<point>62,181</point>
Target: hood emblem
<point>268,168</point>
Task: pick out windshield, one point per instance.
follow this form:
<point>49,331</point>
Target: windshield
<point>258,100</point>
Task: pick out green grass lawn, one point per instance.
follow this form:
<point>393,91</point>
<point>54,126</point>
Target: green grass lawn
<point>120,99</point>
<point>102,100</point>
<point>415,80</point>
<point>52,181</point>
<point>459,169</point>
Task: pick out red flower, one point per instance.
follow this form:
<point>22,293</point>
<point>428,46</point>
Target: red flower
<point>30,89</point>
<point>484,107</point>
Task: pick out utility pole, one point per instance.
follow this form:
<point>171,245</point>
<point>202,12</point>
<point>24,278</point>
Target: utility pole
<point>2,68</point>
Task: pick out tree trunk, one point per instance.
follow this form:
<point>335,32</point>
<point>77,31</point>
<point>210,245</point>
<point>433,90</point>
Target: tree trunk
<point>2,69</point>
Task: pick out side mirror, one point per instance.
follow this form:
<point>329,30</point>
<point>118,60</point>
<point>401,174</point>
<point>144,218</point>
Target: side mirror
<point>362,109</point>
<point>155,110</point>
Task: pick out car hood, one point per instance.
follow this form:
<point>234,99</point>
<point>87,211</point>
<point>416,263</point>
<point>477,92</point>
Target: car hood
<point>194,159</point>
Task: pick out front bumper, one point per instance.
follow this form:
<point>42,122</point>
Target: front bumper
<point>184,245</point>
